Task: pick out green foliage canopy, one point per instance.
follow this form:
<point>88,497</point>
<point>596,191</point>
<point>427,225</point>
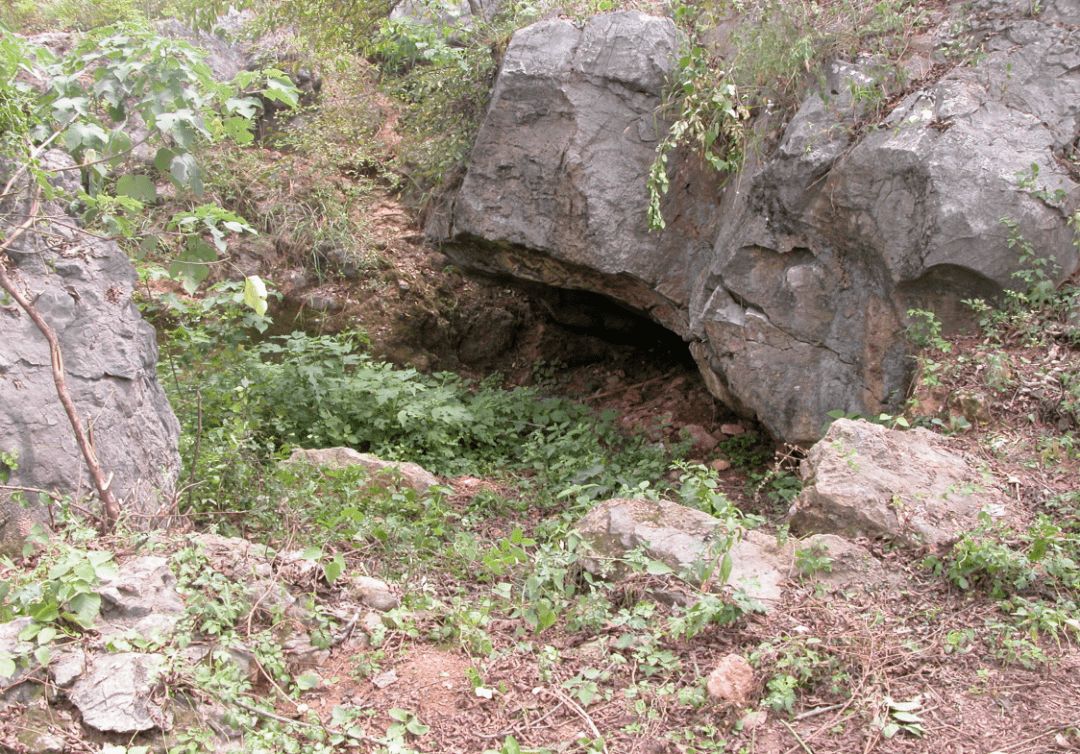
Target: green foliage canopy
<point>92,102</point>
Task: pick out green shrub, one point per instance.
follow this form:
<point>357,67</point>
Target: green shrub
<point>241,402</point>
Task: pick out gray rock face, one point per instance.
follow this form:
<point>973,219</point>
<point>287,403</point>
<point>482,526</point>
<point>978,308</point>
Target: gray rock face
<point>142,597</point>
<point>791,283</point>
<point>82,286</point>
<point>864,480</point>
<point>119,691</point>
<point>12,690</point>
<point>555,191</point>
<point>680,538</point>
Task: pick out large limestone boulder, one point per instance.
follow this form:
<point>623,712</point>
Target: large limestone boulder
<point>865,480</point>
<point>82,286</point>
<point>555,190</point>
<point>791,283</point>
<point>803,307</point>
<point>685,539</point>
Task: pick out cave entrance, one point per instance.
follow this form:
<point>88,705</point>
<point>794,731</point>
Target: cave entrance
<point>588,347</point>
<point>583,329</point>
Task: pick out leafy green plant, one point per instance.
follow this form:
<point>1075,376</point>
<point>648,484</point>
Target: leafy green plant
<point>61,598</point>
<point>777,50</point>
<point>899,717</point>
<point>710,120</point>
<point>1038,290</point>
<point>814,558</point>
<point>925,331</point>
<point>125,72</point>
<point>1005,561</point>
<point>405,722</point>
<point>795,663</point>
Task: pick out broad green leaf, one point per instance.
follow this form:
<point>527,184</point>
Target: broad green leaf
<point>906,717</point>
<point>545,617</point>
<point>657,568</point>
<point>416,727</point>
<point>185,173</point>
<point>181,126</point>
<point>334,568</point>
<point>239,130</point>
<point>44,612</point>
<point>247,107</point>
<point>191,266</point>
<point>88,135</point>
<point>46,634</point>
<point>280,88</point>
<point>163,159</point>
<point>725,568</point>
<point>147,246</point>
<point>517,538</point>
<point>312,553</point>
<point>255,294</point>
<point>308,681</point>
<point>138,187</point>
<point>43,654</point>
<point>7,667</point>
<point>85,607</point>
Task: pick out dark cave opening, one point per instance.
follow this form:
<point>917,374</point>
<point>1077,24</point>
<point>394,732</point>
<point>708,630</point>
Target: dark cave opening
<point>583,328</point>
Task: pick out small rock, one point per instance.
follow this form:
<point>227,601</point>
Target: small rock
<point>438,262</point>
<point>343,262</point>
<point>321,302</point>
<point>374,593</point>
<point>142,597</point>
<point>971,405</point>
<point>382,680</point>
<point>679,537</point>
<point>864,480</point>
<point>720,464</point>
<point>67,667</point>
<point>732,680</point>
<point>732,430</point>
<point>119,693</point>
<point>304,653</point>
<point>754,719</point>
<point>36,731</point>
<point>701,442</point>
<point>12,692</point>
<point>413,475</point>
<point>371,623</point>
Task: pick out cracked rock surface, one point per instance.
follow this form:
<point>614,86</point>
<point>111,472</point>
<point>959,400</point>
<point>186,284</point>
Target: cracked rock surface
<point>82,286</point>
<point>792,281</point>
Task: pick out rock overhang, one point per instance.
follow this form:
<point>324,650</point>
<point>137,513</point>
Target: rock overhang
<point>792,281</point>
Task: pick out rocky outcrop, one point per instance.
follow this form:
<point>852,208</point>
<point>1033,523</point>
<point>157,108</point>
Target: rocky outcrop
<point>792,282</point>
<point>555,191</point>
<point>116,690</point>
<point>82,286</point>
